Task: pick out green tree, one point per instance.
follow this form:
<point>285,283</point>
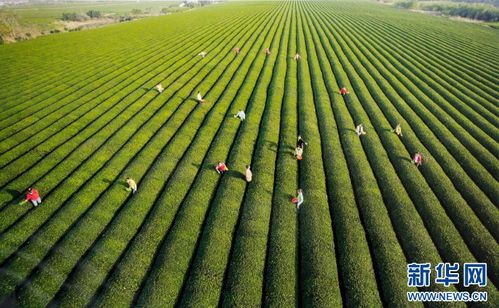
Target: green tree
<point>73,17</point>
<point>94,14</point>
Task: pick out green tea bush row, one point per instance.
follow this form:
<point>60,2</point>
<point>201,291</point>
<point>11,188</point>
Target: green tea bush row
<point>110,167</point>
<point>454,207</point>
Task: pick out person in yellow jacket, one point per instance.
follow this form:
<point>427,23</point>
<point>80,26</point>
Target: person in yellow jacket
<point>132,186</point>
<point>398,130</point>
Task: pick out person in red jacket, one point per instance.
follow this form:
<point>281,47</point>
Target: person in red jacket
<point>221,167</point>
<point>418,159</point>
<point>343,91</point>
<point>33,196</point>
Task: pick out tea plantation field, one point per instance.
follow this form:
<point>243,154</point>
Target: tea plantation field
<point>79,114</point>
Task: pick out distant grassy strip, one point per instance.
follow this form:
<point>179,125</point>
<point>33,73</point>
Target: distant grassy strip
<point>111,169</point>
<point>319,279</point>
<point>84,233</point>
<point>462,88</point>
<point>468,39</point>
<point>204,283</point>
<point>46,52</point>
<point>478,201</point>
<point>123,227</point>
<point>58,156</point>
<point>415,240</point>
<point>142,250</point>
<point>465,220</point>
<point>245,271</point>
<point>77,97</point>
<point>280,284</point>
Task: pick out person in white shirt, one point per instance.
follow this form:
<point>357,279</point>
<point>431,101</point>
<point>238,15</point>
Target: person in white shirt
<point>159,88</point>
<point>300,143</point>
<point>297,56</point>
<point>359,130</point>
<point>202,54</point>
<point>298,199</point>
<point>249,174</point>
<point>241,115</point>
<point>200,98</point>
<point>299,153</point>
